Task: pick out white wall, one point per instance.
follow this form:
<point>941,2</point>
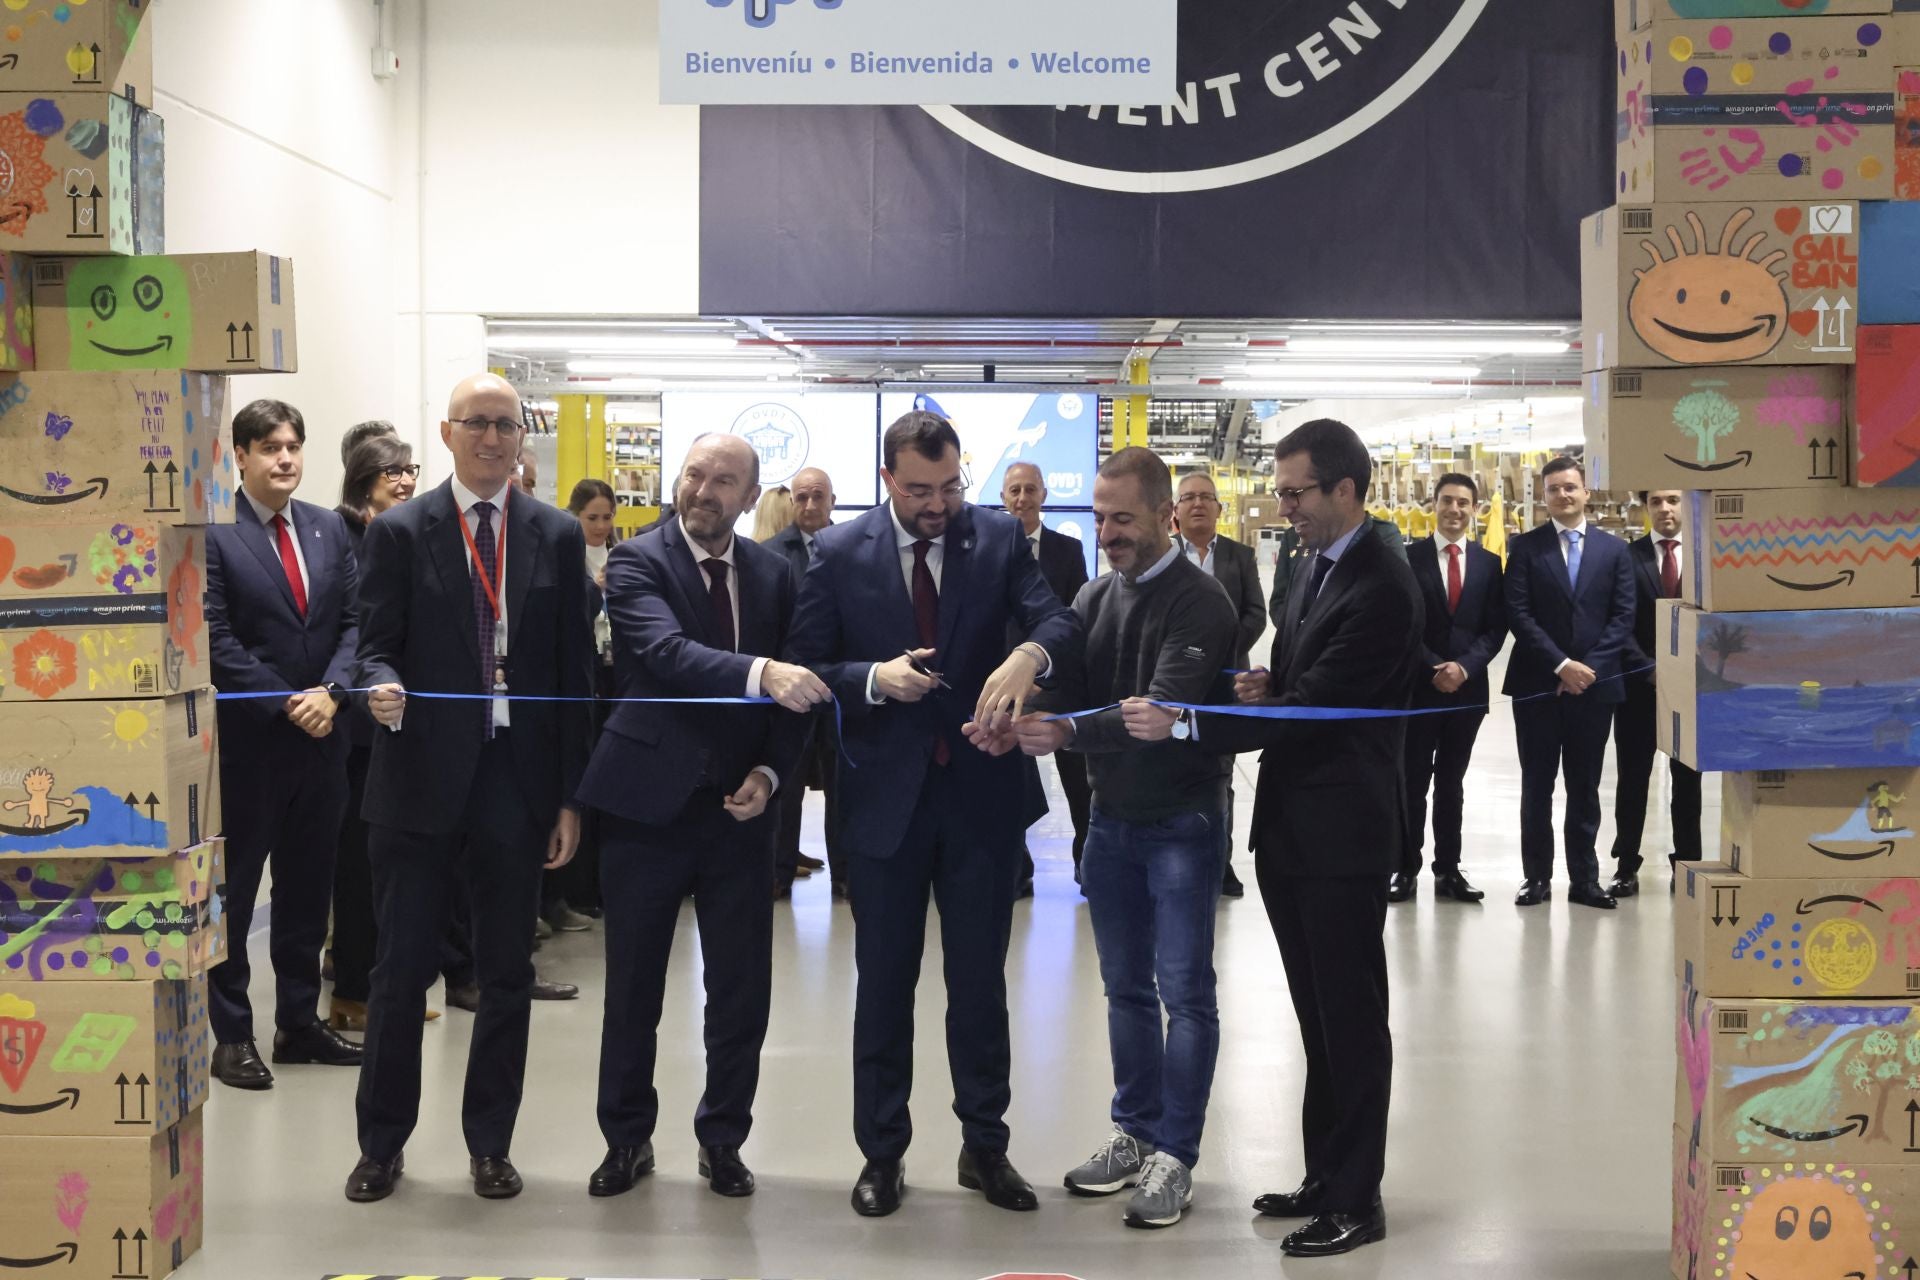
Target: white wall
<point>280,138</point>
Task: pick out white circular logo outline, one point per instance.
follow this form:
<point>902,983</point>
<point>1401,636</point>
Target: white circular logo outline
<point>1230,175</point>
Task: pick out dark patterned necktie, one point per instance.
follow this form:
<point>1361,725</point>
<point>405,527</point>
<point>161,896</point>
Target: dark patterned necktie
<point>721,601</point>
<point>487,553</point>
<point>926,620</point>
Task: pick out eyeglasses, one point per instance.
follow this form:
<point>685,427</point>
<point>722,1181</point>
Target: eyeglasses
<point>478,427</point>
<point>411,471</point>
<point>1295,495</point>
<point>1197,497</point>
<point>953,492</point>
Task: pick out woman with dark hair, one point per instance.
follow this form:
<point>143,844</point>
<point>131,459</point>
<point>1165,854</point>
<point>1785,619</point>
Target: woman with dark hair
<point>381,474</point>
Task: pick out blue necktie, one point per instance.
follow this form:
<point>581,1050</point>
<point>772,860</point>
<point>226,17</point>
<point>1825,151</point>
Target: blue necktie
<point>1573,555</point>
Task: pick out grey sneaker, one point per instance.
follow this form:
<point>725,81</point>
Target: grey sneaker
<point>1166,1191</point>
<point>1115,1165</point>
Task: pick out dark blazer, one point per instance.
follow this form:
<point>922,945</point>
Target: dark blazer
<point>1590,621</point>
<point>357,720</point>
<point>1238,570</point>
<point>1470,635</point>
<point>792,544</point>
<point>420,632</point>
<point>1330,796</point>
<point>1063,563</point>
<point>1290,553</point>
<point>258,641</point>
<point>855,611</point>
<point>1644,554</point>
<point>651,759</point>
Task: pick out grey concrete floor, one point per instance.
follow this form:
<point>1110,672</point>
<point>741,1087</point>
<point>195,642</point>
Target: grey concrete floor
<point>1531,1132</point>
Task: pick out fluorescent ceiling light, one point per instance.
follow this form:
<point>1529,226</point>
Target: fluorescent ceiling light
<point>1427,329</point>
<point>683,368</point>
<point>666,344</point>
<point>614,385</point>
<point>1491,345</point>
<point>1306,387</point>
<point>1458,372</point>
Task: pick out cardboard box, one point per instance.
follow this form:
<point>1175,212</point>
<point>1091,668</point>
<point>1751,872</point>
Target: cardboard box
<point>55,664</point>
<point>1886,406</point>
<point>128,1208</point>
<point>1799,689</point>
<point>1889,263</point>
<point>113,779</point>
<point>16,313</point>
<point>1637,15</point>
<point>1679,428</point>
<point>216,312</point>
<point>1727,1217</point>
<point>1719,284</point>
<point>1905,25</point>
<point>1811,1079</point>
<point>1906,131</point>
<point>102,1059</point>
<point>1804,548</point>
<point>80,47</point>
<point>186,876</point>
<point>1697,58</point>
<point>1738,938</point>
<point>1787,823</point>
<point>87,174</point>
<point>153,446</point>
<point>136,941</point>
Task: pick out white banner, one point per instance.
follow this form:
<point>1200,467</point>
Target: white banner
<point>908,52</point>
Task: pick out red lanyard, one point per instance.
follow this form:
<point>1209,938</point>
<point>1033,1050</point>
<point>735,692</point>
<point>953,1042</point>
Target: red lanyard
<point>492,588</point>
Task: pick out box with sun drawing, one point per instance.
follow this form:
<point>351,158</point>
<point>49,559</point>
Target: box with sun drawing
<point>1855,936</point>
<point>1696,284</point>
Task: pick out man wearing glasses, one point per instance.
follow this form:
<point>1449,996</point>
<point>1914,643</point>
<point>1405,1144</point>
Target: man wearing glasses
<point>472,589</point>
<point>904,613</point>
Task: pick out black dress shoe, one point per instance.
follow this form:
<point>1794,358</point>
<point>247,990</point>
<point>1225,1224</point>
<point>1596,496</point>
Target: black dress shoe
<point>495,1178</point>
<point>544,990</point>
<point>238,1066</point>
<point>467,997</point>
<point>1624,887</point>
<point>725,1172</point>
<point>1303,1202</point>
<point>1336,1233</point>
<point>1591,895</point>
<point>1533,893</point>
<point>623,1167</point>
<point>316,1044</point>
<point>1401,887</point>
<point>878,1192</point>
<point>1230,886</point>
<point>1454,885</point>
<point>811,863</point>
<point>993,1175</point>
<point>373,1179</point>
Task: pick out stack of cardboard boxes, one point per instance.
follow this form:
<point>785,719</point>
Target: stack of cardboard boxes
<point>114,454</point>
<point>1753,336</point>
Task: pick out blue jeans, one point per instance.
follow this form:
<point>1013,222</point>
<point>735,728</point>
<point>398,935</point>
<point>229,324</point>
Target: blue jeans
<point>1152,889</point>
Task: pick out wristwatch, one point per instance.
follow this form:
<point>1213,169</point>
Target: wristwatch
<point>1182,725</point>
<point>338,690</point>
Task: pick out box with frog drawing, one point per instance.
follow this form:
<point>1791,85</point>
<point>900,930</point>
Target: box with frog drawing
<point>1797,823</point>
<point>217,312</point>
<point>1854,936</point>
<point>102,1059</point>
<point>132,779</point>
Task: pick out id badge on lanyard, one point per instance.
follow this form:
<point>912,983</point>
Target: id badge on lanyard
<point>493,589</point>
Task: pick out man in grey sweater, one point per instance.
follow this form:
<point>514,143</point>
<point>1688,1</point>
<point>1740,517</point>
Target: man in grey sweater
<point>1159,628</point>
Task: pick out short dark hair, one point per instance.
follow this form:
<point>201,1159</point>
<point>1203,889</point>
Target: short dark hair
<point>1336,452</point>
<point>1564,463</point>
<point>262,418</point>
<point>927,434</point>
<point>373,455</point>
<point>1148,468</point>
<point>360,432</point>
<point>586,491</point>
<point>1464,481</point>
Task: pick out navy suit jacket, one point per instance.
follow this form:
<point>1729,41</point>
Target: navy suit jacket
<point>1553,618</point>
<point>652,758</point>
<point>1470,635</point>
<point>258,640</point>
<point>855,611</point>
<point>791,544</point>
<point>1638,658</point>
<point>420,632</point>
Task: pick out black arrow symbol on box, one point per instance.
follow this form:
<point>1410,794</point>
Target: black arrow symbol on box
<point>153,806</point>
<point>173,473</point>
<point>1916,578</point>
<point>1740,459</point>
<point>233,343</point>
<point>1885,850</point>
<point>139,1241</point>
<point>93,216</point>
<point>95,51</point>
<point>1844,580</point>
<point>1807,905</point>
<point>1913,1117</point>
<point>1910,1266</point>
<point>246,331</point>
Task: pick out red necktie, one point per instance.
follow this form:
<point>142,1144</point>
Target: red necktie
<point>1669,569</point>
<point>926,620</point>
<point>1453,578</point>
<point>291,563</point>
<point>722,602</point>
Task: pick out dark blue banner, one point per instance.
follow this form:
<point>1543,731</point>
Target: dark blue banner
<point>1365,159</point>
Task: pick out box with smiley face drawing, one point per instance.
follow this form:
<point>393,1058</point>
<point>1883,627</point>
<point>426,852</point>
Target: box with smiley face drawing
<point>212,312</point>
<point>1705,284</point>
<point>1739,1219</point>
<point>1855,938</point>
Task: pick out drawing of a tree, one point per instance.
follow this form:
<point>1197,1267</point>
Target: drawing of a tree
<point>1707,416</point>
<point>1726,640</point>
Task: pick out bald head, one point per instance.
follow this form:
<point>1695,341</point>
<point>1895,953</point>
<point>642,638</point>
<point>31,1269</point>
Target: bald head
<point>490,387</point>
<point>483,432</point>
<point>812,500</point>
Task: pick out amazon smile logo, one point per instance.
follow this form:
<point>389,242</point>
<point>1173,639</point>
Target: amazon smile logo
<point>1765,326</point>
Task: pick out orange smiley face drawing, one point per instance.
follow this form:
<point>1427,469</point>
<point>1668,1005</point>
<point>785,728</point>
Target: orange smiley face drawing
<point>1805,1227</point>
<point>1710,306</point>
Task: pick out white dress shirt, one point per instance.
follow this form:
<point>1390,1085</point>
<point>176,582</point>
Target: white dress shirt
<point>1660,542</point>
<point>700,557</point>
<point>1560,532</point>
<point>1440,544</point>
<point>267,515</point>
<point>466,499</point>
<point>1202,558</point>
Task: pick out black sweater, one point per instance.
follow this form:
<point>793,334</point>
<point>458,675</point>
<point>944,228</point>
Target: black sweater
<point>1167,639</point>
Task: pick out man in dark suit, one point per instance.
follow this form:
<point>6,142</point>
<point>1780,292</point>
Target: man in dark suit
<point>471,590</point>
<point>1658,562</point>
<point>1063,563</point>
<point>1330,822</point>
<point>820,766</point>
<point>904,614</point>
<point>684,792</point>
<point>1289,555</point>
<point>1570,606</point>
<point>282,615</point>
<point>1466,623</point>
